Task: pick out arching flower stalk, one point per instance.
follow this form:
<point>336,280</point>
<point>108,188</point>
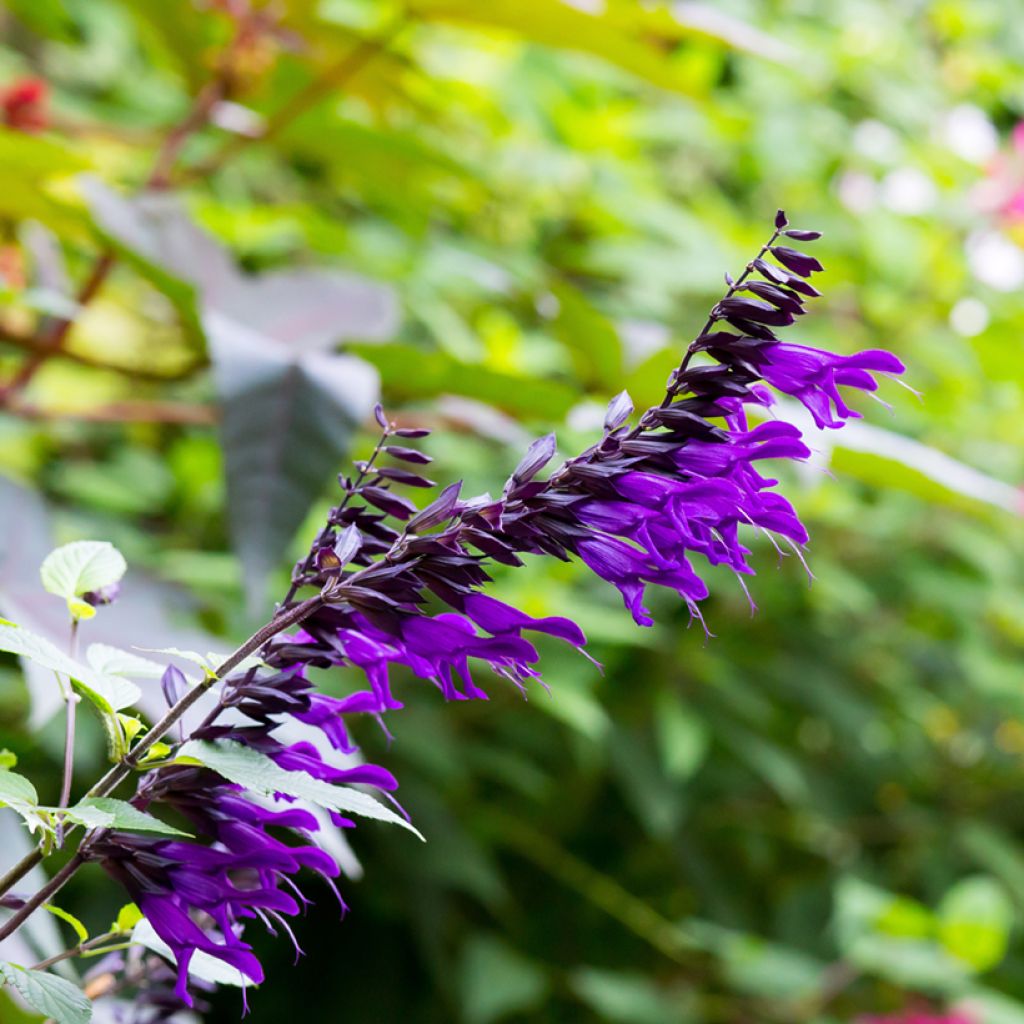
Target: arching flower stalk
<point>404,586</point>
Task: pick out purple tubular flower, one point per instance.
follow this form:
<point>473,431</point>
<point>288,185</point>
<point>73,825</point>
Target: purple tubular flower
<point>813,377</point>
<point>640,508</point>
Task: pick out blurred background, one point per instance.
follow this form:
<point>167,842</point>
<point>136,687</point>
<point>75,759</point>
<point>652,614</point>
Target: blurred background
<point>227,226</point>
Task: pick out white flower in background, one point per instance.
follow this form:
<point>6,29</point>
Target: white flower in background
<point>908,190</point>
<point>877,141</point>
<point>857,191</point>
<point>995,260</point>
<point>969,317</point>
<point>968,132</point>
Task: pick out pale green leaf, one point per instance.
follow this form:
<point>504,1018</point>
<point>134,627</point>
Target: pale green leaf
<point>80,567</point>
<point>112,661</point>
<point>79,929</point>
<point>126,817</point>
<point>975,920</point>
<point>16,789</point>
<point>127,918</point>
<point>51,996</point>
<point>256,771</point>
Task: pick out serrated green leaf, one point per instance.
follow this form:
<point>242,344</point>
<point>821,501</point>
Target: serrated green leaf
<point>124,816</point>
<point>26,644</point>
<point>256,771</point>
<point>80,930</point>
<point>80,567</point>
<point>51,996</point>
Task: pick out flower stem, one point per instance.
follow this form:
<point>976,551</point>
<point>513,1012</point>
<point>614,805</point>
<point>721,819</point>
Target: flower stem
<point>71,708</point>
<point>81,949</point>
<point>44,895</point>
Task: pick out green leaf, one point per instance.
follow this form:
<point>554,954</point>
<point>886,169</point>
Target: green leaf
<point>108,693</point>
<point>16,790</point>
<point>438,373</point>
<point>127,918</point>
<point>496,981</point>
<point>80,567</point>
<point>553,23</point>
<point>18,793</point>
<point>51,996</point>
<point>626,997</point>
<point>683,738</point>
<point>112,661</point>
<point>48,18</point>
<point>590,336</point>
<point>256,771</point>
<point>975,920</point>
<point>80,930</point>
<point>122,815</point>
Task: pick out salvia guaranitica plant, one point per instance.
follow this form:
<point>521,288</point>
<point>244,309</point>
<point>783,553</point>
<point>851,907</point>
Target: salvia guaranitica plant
<point>396,585</point>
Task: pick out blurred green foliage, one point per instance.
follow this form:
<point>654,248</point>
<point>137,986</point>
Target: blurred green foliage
<point>813,815</point>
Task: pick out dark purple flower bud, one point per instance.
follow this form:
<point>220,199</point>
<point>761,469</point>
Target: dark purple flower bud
<point>102,595</point>
<point>174,684</point>
<point>752,309</point>
<point>781,297</point>
<point>780,276</point>
<point>393,504</point>
<point>537,456</point>
<point>412,432</point>
<point>799,262</point>
<point>803,236</point>
<point>440,509</point>
<point>378,414</point>
<point>404,476</point>
<point>780,219</point>
<point>350,541</point>
<point>620,408</point>
<point>408,454</point>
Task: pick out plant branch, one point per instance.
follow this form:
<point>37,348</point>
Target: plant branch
<point>82,948</point>
<point>318,89</point>
<point>53,341</point>
<point>122,412</point>
<point>119,772</point>
<point>44,895</point>
<point>33,345</point>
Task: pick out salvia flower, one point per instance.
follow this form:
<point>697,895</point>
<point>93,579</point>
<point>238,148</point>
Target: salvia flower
<point>651,504</point>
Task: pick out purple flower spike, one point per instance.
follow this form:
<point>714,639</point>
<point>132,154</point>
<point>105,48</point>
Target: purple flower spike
<point>647,506</point>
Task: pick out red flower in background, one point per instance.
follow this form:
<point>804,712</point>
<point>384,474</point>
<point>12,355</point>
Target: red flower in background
<point>25,105</point>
